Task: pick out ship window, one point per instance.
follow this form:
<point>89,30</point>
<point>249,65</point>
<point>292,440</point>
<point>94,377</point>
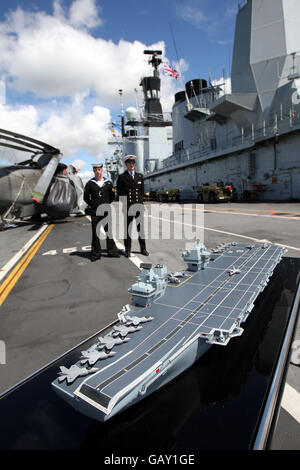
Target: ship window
<point>179,146</point>
<point>213,144</point>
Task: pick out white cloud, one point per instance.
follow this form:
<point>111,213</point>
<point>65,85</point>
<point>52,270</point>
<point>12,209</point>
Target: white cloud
<point>225,85</point>
<point>56,56</point>
<point>84,13</point>
<point>79,164</point>
<point>86,175</point>
<point>192,14</point>
<point>19,118</point>
<point>69,129</point>
<point>2,92</point>
<point>74,76</point>
<point>58,10</point>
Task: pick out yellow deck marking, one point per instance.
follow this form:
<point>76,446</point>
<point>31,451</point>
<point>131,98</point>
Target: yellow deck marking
<point>16,273</point>
<point>182,282</point>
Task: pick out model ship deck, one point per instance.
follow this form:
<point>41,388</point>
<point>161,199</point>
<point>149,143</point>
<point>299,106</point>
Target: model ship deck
<point>205,307</point>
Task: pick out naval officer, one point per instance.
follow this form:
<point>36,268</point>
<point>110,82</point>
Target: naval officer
<point>98,191</point>
<point>131,185</point>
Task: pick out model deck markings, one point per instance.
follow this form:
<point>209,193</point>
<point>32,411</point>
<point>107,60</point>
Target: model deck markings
<point>143,347</point>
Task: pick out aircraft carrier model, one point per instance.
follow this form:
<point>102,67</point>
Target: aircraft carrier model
<point>171,322</point>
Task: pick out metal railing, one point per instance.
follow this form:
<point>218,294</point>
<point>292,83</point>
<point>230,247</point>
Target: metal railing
<point>161,117</point>
<point>233,141</point>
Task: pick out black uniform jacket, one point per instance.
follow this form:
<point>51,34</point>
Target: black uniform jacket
<point>133,188</point>
<point>94,195</point>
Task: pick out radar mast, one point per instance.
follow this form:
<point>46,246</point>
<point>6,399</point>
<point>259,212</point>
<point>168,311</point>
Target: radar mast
<point>154,61</point>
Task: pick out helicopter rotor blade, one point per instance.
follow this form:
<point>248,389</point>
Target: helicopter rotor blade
<point>2,144</point>
<point>44,181</point>
<point>31,147</point>
<point>45,147</point>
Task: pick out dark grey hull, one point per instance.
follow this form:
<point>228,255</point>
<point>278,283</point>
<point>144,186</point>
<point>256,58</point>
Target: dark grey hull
<point>152,382</point>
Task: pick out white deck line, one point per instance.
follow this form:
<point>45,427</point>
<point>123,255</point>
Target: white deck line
<point>291,402</point>
<point>226,233</point>
<point>133,258</point>
<point>8,266</point>
<point>220,211</point>
<point>233,212</point>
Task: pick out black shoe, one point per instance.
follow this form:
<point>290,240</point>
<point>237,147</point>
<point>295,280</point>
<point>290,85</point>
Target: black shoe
<point>144,252</point>
<point>113,254</point>
<point>127,254</point>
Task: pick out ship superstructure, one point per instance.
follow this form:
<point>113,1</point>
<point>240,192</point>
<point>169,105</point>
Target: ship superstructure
<point>145,133</point>
<point>247,137</point>
<point>171,322</point>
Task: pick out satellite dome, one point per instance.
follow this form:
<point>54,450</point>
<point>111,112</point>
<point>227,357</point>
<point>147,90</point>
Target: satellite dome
<point>131,114</point>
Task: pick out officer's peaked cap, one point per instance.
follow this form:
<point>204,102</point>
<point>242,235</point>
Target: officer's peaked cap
<point>129,157</point>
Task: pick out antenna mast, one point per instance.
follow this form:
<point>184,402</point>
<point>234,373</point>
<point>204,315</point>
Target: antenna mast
<point>189,106</point>
<point>154,61</point>
<point>122,113</point>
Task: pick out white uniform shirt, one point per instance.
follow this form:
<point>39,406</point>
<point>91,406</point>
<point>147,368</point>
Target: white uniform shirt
<point>101,182</point>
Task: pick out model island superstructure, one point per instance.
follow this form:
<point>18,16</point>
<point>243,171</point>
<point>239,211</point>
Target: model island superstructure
<point>247,137</point>
<point>171,322</point>
<point>150,285</point>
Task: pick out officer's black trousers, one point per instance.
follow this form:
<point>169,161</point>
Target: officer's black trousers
<point>140,229</point>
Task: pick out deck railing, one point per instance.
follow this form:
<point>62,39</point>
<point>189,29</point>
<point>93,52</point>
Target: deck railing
<point>233,141</point>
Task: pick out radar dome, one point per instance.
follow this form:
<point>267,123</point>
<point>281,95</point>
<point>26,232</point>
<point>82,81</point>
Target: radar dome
<point>131,114</point>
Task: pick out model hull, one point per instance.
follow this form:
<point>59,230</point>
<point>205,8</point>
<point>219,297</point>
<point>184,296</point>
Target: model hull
<point>151,383</point>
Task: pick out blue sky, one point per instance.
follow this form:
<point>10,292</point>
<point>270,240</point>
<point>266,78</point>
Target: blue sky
<point>203,29</point>
<point>66,59</point>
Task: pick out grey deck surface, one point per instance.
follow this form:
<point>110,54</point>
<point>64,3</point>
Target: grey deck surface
<point>206,300</point>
